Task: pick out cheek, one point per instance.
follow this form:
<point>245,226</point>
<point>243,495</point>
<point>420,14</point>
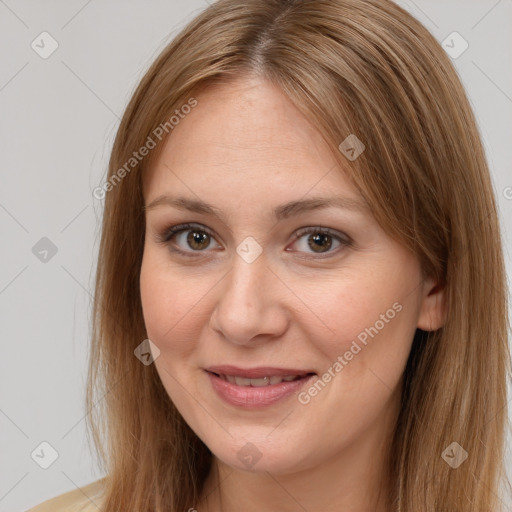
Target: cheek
<point>370,322</point>
<point>169,307</point>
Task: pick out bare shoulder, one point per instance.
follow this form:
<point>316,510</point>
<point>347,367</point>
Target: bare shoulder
<point>84,499</point>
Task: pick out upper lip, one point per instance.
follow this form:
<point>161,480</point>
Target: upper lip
<point>256,373</point>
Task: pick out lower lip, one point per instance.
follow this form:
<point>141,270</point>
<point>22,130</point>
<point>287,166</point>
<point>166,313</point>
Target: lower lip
<point>250,397</point>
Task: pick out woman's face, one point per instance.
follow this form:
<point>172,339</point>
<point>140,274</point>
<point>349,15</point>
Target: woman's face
<point>264,280</point>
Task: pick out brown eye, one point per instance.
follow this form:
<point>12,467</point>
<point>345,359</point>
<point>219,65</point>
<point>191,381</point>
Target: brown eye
<point>186,239</point>
<point>192,240</point>
<point>198,240</point>
<point>320,242</point>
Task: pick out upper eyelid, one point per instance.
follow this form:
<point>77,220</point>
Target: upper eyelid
<point>178,229</point>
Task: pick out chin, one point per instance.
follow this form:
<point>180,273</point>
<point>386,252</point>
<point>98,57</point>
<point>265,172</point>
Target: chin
<point>257,454</point>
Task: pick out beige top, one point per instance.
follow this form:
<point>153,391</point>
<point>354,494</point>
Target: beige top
<point>83,499</point>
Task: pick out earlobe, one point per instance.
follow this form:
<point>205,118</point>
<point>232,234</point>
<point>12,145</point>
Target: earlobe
<point>433,306</point>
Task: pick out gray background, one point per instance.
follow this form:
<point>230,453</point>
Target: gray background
<point>57,124</point>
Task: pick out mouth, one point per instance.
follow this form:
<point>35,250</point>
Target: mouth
<point>259,376</point>
<point>267,380</point>
<point>256,387</point>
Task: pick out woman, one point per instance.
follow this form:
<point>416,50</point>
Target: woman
<point>300,297</point>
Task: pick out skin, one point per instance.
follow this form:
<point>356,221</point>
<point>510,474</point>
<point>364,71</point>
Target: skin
<point>245,148</point>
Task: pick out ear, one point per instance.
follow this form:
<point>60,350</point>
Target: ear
<point>433,306</point>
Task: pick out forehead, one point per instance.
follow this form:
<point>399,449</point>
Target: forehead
<point>249,114</point>
<point>246,137</point>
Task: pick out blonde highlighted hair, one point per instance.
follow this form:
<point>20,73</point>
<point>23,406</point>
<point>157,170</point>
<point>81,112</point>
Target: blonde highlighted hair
<point>363,67</point>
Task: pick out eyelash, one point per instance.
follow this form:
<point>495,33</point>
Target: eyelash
<point>165,236</point>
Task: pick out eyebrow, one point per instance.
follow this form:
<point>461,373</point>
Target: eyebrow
<point>281,212</point>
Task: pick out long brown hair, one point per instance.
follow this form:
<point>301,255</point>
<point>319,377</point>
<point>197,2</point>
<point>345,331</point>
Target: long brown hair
<point>363,67</point>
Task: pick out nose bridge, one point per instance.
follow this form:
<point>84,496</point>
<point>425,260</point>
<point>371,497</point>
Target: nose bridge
<point>246,306</point>
<point>245,283</point>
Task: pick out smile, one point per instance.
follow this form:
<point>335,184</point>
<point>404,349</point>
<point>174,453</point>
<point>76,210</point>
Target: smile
<point>258,383</point>
<point>247,392</point>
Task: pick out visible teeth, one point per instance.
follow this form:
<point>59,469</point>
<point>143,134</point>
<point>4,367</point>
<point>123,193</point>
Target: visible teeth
<point>229,378</point>
<point>258,383</point>
<point>242,381</point>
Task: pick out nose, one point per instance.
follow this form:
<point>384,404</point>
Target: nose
<point>250,306</point>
